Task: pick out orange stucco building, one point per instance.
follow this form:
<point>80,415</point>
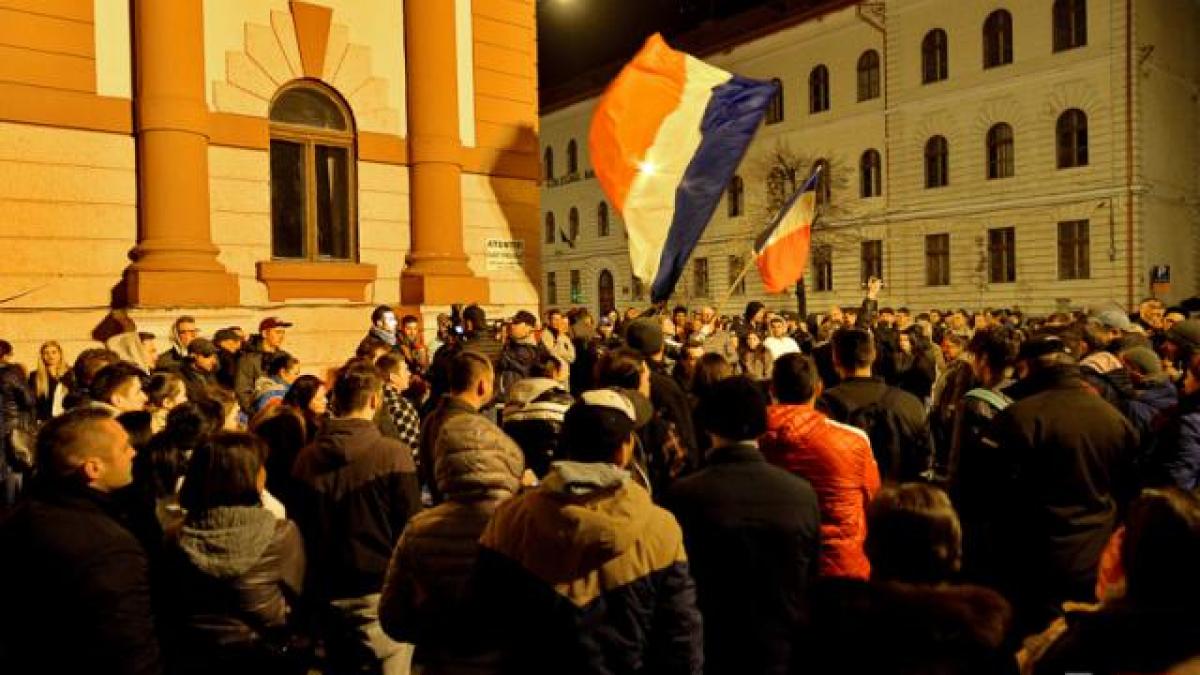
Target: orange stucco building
<point>234,159</point>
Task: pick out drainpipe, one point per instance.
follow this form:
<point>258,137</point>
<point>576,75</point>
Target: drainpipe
<point>1129,260</point>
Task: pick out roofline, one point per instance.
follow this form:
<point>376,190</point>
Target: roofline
<point>602,75</point>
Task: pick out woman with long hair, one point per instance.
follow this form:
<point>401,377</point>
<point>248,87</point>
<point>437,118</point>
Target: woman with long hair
<point>755,358</point>
<point>45,381</point>
<point>164,392</point>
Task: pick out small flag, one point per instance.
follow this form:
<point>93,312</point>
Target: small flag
<point>781,251</point>
<point>666,138</point>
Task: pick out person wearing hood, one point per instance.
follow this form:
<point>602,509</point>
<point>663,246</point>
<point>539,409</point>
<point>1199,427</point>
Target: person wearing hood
<point>425,593</point>
<point>533,415</point>
<point>183,331</point>
<point>753,535</point>
<point>1100,364</point>
<point>234,569</point>
<point>131,347</point>
<point>835,458</point>
<point>584,574</point>
<point>357,490</point>
<point>255,358</point>
<point>1153,391</point>
<point>1173,454</point>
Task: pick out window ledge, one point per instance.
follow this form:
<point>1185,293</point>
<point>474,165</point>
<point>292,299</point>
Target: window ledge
<point>287,279</point>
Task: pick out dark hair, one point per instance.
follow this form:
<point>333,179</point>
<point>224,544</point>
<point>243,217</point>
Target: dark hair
<point>553,311</point>
<point>476,316</point>
<point>389,363</point>
<point>711,368</point>
<point>734,408</point>
<point>368,346</point>
<point>281,362</point>
<point>190,423</point>
<point>139,424</point>
<point>223,472</point>
<point>592,433</point>
<point>913,535</point>
<point>794,379</point>
<point>621,367</point>
<point>65,441</point>
<point>996,346</point>
<point>355,385</point>
<point>546,365</point>
<point>378,312</point>
<point>1161,549</point>
<point>956,339</point>
<point>302,391</point>
<point>91,361</point>
<point>6,348</point>
<point>161,387</point>
<point>678,309</point>
<point>409,318</point>
<point>111,378</point>
<point>466,368</point>
<point>853,348</point>
<point>753,307</point>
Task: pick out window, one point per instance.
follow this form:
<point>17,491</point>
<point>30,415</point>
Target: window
<point>548,164</point>
<point>312,175</point>
<point>736,264</point>
<point>823,267</point>
<point>818,89</point>
<point>997,39</point>
<point>935,62</point>
<point>1072,135</point>
<point>700,278</point>
<point>551,288</point>
<point>639,289</point>
<point>572,158</point>
<point>870,176</point>
<point>733,199</point>
<point>1070,24</point>
<point>573,226</point>
<point>871,258</point>
<point>774,114</point>
<point>605,293</point>
<point>937,162</point>
<point>1074,248</point>
<point>1002,255</point>
<point>576,288</point>
<point>937,260</point>
<point>824,190</point>
<point>868,75</point>
<point>1000,151</point>
<point>551,229</point>
<point>602,219</point>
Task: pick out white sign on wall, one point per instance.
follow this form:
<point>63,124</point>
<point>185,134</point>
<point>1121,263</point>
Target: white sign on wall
<point>505,254</point>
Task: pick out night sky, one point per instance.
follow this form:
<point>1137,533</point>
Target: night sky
<point>575,36</point>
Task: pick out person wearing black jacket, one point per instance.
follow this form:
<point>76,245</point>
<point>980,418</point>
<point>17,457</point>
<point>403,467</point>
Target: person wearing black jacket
<point>668,398</point>
<point>1066,475</point>
<point>358,490</point>
<point>753,537</point>
<point>77,583</point>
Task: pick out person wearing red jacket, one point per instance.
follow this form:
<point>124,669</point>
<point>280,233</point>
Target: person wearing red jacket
<point>836,458</point>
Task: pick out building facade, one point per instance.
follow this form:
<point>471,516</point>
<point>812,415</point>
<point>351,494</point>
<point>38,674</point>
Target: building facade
<point>1022,153</point>
<point>235,159</point>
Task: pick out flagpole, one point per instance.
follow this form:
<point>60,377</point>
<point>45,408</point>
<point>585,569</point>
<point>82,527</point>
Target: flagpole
<point>738,280</point>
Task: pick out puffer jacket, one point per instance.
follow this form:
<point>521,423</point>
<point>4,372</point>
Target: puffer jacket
<point>425,591</point>
<point>516,360</point>
<point>1174,454</point>
<point>584,575</point>
<point>234,573</point>
<point>533,417</point>
<point>836,458</point>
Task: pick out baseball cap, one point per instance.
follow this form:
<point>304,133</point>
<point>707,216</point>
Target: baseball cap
<point>1041,345</point>
<point>1112,318</point>
<point>525,317</point>
<point>597,424</point>
<point>645,336</point>
<point>273,322</point>
<point>201,347</point>
<point>1146,360</point>
<point>1185,333</point>
<point>225,334</point>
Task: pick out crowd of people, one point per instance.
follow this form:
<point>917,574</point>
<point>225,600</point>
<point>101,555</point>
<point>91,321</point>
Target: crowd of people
<point>870,490</point>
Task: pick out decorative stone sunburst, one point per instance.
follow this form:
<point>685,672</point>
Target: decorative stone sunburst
<point>304,43</point>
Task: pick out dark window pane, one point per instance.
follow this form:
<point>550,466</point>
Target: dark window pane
<point>333,203</point>
<point>287,199</point>
<point>308,108</point>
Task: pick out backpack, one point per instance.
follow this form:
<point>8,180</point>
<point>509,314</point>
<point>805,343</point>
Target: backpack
<point>883,427</point>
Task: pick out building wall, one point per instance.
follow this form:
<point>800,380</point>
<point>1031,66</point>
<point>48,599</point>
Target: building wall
<point>68,158</point>
<point>1029,94</point>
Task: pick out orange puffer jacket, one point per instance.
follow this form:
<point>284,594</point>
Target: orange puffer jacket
<point>837,460</point>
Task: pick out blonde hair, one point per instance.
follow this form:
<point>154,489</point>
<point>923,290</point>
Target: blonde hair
<point>40,377</point>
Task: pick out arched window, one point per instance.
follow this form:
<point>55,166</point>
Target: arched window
<point>823,184</point>
<point>313,206</point>
<point>602,219</point>
<point>548,164</point>
<point>870,174</point>
<point>1072,137</point>
<point>733,200</point>
<point>551,228</point>
<point>573,226</point>
<point>935,58</point>
<point>605,295</point>
<point>572,157</point>
<point>774,114</point>
<point>937,162</point>
<point>1070,24</point>
<point>1000,151</point>
<point>868,75</point>
<point>997,39</point>
<point>818,89</point>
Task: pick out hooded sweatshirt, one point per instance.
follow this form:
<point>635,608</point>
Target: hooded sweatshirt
<point>589,576</point>
<point>128,346</point>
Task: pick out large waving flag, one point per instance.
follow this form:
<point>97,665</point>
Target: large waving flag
<point>665,140</point>
<point>781,251</point>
